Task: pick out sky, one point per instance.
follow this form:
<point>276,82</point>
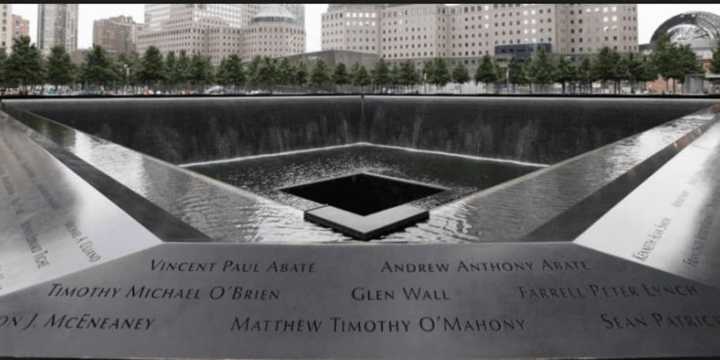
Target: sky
<point>650,16</point>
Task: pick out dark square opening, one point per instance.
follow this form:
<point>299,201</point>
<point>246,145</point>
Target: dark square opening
<point>362,194</point>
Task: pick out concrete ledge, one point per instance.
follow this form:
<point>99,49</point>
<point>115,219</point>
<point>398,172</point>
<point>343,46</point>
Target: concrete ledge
<point>370,226</point>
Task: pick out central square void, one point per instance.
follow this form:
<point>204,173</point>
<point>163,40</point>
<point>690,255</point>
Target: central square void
<point>363,194</point>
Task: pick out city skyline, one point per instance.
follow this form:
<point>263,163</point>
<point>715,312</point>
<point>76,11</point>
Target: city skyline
<point>650,16</point>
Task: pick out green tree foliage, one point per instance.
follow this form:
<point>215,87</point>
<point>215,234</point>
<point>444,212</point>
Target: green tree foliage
<point>340,75</point>
<point>540,70</point>
<point>252,70</point>
<point>633,66</point>
<point>663,58</point>
<point>440,73</point>
<point>460,74</point>
<point>201,71</point>
<point>60,70</point>
<point>500,75</point>
<point>394,75</point>
<point>3,61</point>
<point>516,72</point>
<point>359,75</point>
<point>715,64</point>
<point>127,69</point>
<point>428,71</point>
<point>605,67</point>
<point>301,74</point>
<point>585,74</point>
<point>486,71</point>
<point>98,68</point>
<point>320,74</point>
<point>686,63</point>
<point>184,68</point>
<point>284,72</point>
<point>170,70</point>
<point>381,74</point>
<point>408,74</point>
<point>231,71</point>
<point>25,65</point>
<point>152,67</point>
<point>266,73</point>
<point>565,72</point>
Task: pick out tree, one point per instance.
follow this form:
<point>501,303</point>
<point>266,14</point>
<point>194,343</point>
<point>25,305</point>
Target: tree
<point>686,63</point>
<point>460,74</point>
<point>359,75</point>
<point>170,70</point>
<point>485,72</point>
<point>380,74</point>
<point>60,69</point>
<point>633,64</point>
<point>540,69</point>
<point>585,74</point>
<point>201,71</point>
<point>284,72</point>
<point>320,75</point>
<point>500,75</point>
<point>663,58</point>
<point>340,75</point>
<point>715,63</point>
<point>266,73</point>
<point>252,70</point>
<point>427,73</point>
<point>516,73</point>
<point>127,68</point>
<point>301,74</point>
<point>565,72</point>
<point>605,67</point>
<point>152,67</point>
<point>24,67</point>
<point>98,68</point>
<point>231,72</point>
<point>440,73</point>
<point>648,71</point>
<point>394,75</point>
<point>184,69</point>
<point>408,74</point>
<point>3,61</point>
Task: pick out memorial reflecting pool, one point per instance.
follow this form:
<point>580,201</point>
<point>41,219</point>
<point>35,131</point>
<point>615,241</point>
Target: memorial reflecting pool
<point>459,175</point>
<point>510,168</point>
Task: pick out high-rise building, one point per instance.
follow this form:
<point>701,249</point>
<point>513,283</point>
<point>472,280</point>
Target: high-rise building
<point>115,34</point>
<point>21,26</point>
<point>164,16</point>
<point>57,25</point>
<point>274,32</point>
<point>6,27</point>
<point>465,33</point>
<point>298,11</point>
<point>214,30</point>
<point>354,27</point>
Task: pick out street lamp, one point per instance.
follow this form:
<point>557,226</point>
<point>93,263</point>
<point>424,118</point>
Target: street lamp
<point>127,76</point>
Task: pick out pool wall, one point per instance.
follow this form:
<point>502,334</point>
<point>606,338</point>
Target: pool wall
<point>538,130</point>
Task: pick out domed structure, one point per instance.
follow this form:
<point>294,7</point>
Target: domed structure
<point>700,30</point>
<point>274,32</point>
<point>273,13</point>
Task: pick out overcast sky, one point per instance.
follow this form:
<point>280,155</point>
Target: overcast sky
<point>650,16</point>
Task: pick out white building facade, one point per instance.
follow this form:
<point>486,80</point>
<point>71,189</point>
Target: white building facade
<point>6,27</point>
<point>57,25</point>
<point>217,30</point>
<point>467,32</point>
<point>274,32</point>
